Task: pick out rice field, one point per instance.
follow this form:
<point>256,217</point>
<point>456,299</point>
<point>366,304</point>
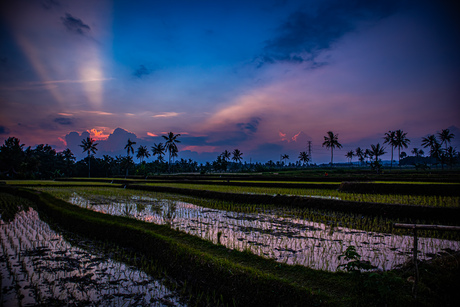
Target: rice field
<point>418,200</point>
<point>279,235</point>
<point>40,267</point>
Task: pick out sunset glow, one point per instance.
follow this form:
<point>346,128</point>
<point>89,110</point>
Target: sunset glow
<point>265,77</point>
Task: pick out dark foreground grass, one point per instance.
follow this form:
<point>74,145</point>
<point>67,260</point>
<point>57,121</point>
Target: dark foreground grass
<point>243,279</point>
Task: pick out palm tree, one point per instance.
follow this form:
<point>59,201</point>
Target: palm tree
<point>350,155</point>
<point>226,155</point>
<point>417,152</point>
<point>237,155</point>
<point>377,151</point>
<point>303,157</point>
<point>89,146</point>
<point>401,141</point>
<point>360,154</point>
<point>129,149</point>
<point>170,144</point>
<point>142,152</point>
<point>331,141</point>
<point>284,157</point>
<point>390,139</point>
<point>430,141</point>
<point>445,136</point>
<point>158,150</point>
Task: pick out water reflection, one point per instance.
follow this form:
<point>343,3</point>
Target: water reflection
<point>285,239</point>
<point>39,267</point>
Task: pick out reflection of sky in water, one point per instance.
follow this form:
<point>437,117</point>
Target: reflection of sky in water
<point>48,269</point>
<point>289,240</point>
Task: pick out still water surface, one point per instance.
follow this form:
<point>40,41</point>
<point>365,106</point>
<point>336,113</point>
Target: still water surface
<point>285,239</point>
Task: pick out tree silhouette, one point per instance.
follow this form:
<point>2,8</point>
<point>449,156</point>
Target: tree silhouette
<point>129,149</point>
<point>226,155</point>
<point>360,154</point>
<point>11,156</point>
<point>158,150</point>
<point>284,157</point>
<point>376,151</point>
<point>142,152</point>
<point>432,142</point>
<point>303,157</point>
<point>390,139</point>
<point>89,146</point>
<point>331,141</point>
<point>350,155</point>
<point>445,136</point>
<point>401,141</point>
<point>170,144</point>
<point>237,155</point>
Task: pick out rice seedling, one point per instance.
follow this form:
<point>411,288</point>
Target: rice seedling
<point>282,235</point>
<point>41,267</point>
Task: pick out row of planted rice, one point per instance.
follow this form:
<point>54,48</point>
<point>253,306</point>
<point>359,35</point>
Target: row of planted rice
<point>278,234</point>
<point>40,267</point>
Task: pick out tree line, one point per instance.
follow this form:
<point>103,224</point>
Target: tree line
<point>43,162</point>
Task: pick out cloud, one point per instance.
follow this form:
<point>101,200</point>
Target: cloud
<point>4,130</point>
<point>249,127</point>
<point>166,114</point>
<point>142,71</point>
<point>305,34</point>
<point>75,25</point>
<point>63,121</point>
<point>49,4</point>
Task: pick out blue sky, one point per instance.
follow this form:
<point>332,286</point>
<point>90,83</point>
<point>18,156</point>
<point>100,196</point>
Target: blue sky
<point>264,76</point>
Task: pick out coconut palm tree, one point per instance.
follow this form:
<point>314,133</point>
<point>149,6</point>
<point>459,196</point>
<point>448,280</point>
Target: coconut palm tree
<point>170,144</point>
<point>350,155</point>
<point>142,152</point>
<point>158,150</point>
<point>89,146</point>
<point>430,141</point>
<point>331,141</point>
<point>284,157</point>
<point>303,157</point>
<point>377,151</point>
<point>237,155</point>
<point>360,154</point>
<point>129,147</point>
<point>390,139</point>
<point>401,141</point>
<point>226,155</point>
<point>445,136</point>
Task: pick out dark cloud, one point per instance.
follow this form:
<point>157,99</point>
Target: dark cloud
<point>249,127</point>
<point>63,121</point>
<point>75,25</point>
<point>142,71</point>
<point>4,130</point>
<point>305,34</point>
<point>49,4</point>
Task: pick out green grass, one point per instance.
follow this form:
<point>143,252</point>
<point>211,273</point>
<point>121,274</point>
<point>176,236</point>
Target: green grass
<point>52,183</point>
<point>418,200</point>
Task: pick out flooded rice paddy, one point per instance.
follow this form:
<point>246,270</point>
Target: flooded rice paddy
<point>286,239</point>
<point>39,267</point>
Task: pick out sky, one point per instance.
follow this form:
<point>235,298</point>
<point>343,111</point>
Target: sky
<point>265,77</point>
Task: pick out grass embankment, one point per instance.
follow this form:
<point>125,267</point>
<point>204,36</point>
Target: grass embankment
<point>365,192</point>
<point>243,279</point>
<point>237,276</point>
<point>441,214</point>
